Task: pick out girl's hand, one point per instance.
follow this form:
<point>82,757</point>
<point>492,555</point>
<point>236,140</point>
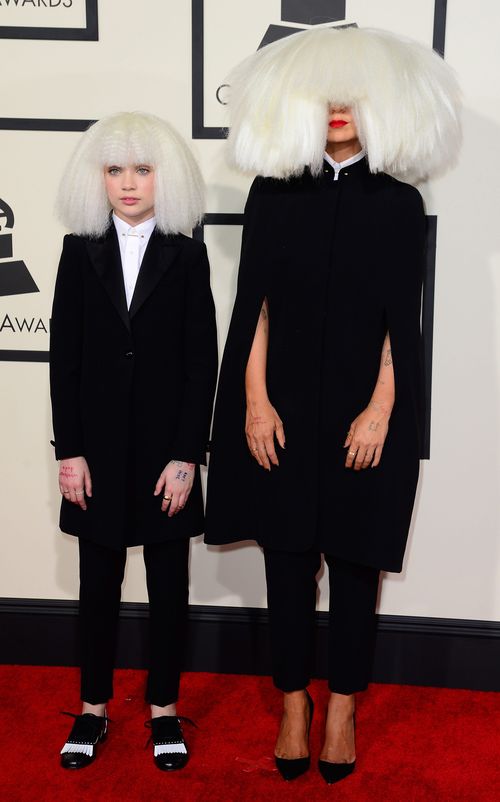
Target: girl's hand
<point>176,481</point>
<point>366,437</point>
<point>262,424</point>
<point>75,481</point>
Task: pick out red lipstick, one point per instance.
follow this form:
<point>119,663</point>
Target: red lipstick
<point>337,123</point>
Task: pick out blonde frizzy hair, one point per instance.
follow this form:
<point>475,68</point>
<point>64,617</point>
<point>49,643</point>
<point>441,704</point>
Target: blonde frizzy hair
<point>131,138</point>
<point>404,97</point>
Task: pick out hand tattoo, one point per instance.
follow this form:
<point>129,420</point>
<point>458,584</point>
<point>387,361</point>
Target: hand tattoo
<point>265,318</point>
<point>182,474</point>
<point>373,426</point>
<point>67,471</point>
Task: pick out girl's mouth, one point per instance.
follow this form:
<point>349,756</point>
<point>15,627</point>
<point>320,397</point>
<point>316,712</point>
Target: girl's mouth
<point>337,123</point>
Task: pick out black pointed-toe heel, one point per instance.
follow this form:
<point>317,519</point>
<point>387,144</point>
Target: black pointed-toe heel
<point>334,772</point>
<point>290,769</point>
<point>81,747</point>
<point>170,750</point>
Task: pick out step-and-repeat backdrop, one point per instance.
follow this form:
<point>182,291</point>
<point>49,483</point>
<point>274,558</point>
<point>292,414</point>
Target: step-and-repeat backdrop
<point>66,63</point>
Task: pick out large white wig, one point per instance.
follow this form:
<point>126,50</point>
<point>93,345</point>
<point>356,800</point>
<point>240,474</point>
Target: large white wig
<point>405,101</point>
<point>123,139</point>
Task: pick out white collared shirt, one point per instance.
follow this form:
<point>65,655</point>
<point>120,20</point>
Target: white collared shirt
<point>338,166</point>
<point>133,242</point>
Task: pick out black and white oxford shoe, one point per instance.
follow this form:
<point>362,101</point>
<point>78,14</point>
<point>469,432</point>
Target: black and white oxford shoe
<point>81,747</point>
<point>170,750</point>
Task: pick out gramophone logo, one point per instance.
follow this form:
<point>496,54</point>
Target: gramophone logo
<point>305,12</point>
<point>15,278</point>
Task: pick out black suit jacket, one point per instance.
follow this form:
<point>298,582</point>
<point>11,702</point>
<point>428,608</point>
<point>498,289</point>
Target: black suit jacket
<point>132,389</point>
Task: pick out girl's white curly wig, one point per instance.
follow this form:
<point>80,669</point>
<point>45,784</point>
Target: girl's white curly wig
<point>405,100</point>
<point>131,138</point>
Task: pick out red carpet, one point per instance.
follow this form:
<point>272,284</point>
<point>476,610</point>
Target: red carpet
<point>414,744</point>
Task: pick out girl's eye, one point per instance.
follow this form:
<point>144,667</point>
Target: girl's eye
<point>143,170</point>
<point>113,171</point>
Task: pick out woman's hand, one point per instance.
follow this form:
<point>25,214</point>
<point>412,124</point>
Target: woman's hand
<point>366,437</point>
<point>75,481</point>
<point>262,424</point>
<point>176,480</point>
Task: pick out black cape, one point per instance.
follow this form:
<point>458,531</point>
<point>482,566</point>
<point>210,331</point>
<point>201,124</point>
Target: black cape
<point>340,263</point>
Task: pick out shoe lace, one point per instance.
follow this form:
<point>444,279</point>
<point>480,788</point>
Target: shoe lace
<point>79,715</point>
<point>86,725</point>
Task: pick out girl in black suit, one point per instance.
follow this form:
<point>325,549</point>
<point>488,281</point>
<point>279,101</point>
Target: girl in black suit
<point>133,362</point>
<point>319,407</point>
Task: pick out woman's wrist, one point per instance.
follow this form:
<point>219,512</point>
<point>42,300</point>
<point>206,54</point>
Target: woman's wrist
<point>382,405</point>
<point>255,400</point>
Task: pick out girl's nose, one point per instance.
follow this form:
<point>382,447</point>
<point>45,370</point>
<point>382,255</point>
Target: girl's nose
<point>128,179</point>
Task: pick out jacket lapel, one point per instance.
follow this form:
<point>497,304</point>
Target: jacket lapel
<point>160,253</point>
<point>105,256</point>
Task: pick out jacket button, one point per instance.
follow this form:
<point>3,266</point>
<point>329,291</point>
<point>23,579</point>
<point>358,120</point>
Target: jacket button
<point>129,354</point>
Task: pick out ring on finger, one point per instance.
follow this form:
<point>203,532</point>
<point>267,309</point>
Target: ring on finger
<point>167,498</point>
<point>351,453</point>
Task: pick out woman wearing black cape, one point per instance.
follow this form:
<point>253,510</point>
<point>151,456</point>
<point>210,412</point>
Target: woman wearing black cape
<point>316,436</point>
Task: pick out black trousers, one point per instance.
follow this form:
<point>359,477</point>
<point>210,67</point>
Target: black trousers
<point>101,576</point>
<point>291,597</point>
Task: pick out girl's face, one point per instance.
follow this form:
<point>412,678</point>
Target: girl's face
<point>341,127</point>
<point>131,191</point>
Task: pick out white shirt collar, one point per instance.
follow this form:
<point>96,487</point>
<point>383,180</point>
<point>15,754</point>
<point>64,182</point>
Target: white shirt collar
<point>338,166</point>
<point>133,241</point>
<point>145,229</point>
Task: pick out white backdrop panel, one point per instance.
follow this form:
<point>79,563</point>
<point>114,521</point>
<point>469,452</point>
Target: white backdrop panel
<point>144,62</point>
